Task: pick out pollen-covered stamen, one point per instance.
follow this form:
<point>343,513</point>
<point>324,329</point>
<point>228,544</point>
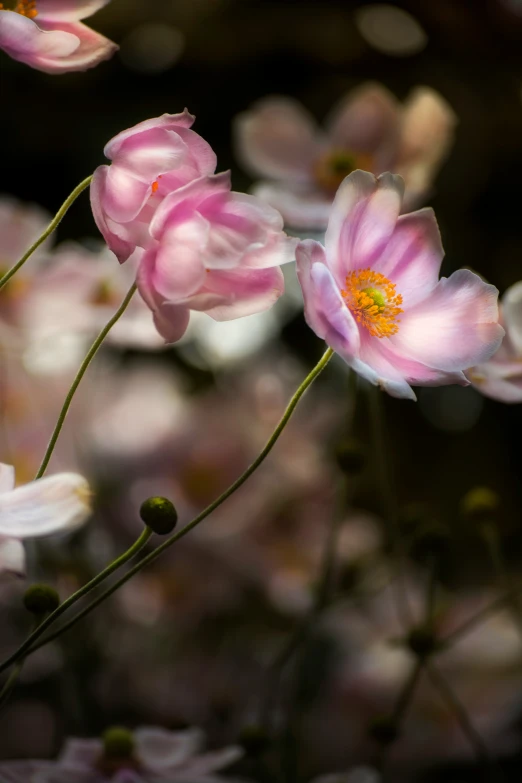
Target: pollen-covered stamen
<point>24,8</point>
<point>332,167</point>
<point>373,301</point>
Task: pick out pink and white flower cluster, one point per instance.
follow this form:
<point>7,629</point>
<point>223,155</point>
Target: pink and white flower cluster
<point>49,36</point>
<point>303,165</point>
<point>200,245</point>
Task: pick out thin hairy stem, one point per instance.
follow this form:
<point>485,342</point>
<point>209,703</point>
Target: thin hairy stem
<point>48,231</point>
<point>152,556</point>
<point>79,375</point>
<point>119,561</point>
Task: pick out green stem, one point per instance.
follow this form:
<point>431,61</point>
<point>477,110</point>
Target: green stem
<point>32,638</point>
<point>191,525</point>
<point>49,230</point>
<point>457,708</point>
<point>79,375</point>
<point>10,683</point>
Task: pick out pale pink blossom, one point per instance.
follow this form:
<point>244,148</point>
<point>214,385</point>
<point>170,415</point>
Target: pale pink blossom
<point>157,755</point>
<point>49,36</point>
<point>501,376</point>
<point>50,505</point>
<point>149,161</point>
<point>302,165</point>
<point>373,293</point>
<point>215,251</point>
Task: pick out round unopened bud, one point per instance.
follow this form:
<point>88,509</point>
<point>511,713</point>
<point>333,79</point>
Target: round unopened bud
<point>41,599</point>
<point>383,730</point>
<point>421,641</point>
<point>480,504</point>
<point>350,456</point>
<point>159,514</point>
<point>254,740</point>
<point>118,743</point>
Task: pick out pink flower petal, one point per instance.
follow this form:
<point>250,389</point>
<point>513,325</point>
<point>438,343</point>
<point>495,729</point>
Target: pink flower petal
<point>7,477</point>
<point>277,138</point>
<point>362,221</point>
<point>24,40</point>
<point>171,321</point>
<point>68,10</point>
<point>165,121</point>
<point>427,133</point>
<point>512,315</point>
<point>325,309</point>
<point>499,380</point>
<point>178,270</point>
<point>301,208</point>
<point>124,194</point>
<point>367,120</point>
<point>454,327</point>
<point>112,232</point>
<point>189,198</point>
<point>12,558</point>
<point>239,292</point>
<point>162,750</point>
<point>413,256</point>
<point>46,506</point>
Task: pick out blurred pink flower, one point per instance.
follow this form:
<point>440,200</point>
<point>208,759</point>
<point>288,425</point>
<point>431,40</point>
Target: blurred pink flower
<point>152,755</point>
<point>40,508</point>
<point>278,140</point>
<point>216,251</point>
<point>75,294</point>
<point>501,376</point>
<point>373,294</point>
<point>48,35</point>
<point>149,161</point>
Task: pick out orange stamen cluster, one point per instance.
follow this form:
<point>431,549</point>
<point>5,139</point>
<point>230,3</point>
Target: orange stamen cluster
<point>155,184</point>
<point>24,8</point>
<point>373,301</point>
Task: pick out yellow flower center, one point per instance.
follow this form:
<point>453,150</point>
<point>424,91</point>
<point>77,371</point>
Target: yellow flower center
<point>24,8</point>
<point>373,301</point>
<point>332,167</point>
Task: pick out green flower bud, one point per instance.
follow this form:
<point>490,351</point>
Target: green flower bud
<point>159,514</point>
<point>480,504</point>
<point>118,743</point>
<point>41,599</point>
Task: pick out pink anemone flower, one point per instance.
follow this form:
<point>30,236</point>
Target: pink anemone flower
<point>149,161</point>
<point>302,166</point>
<point>501,376</point>
<point>48,34</point>
<point>373,293</point>
<point>215,251</point>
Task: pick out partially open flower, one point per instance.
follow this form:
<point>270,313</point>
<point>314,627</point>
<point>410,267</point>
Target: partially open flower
<point>146,755</point>
<point>50,505</point>
<point>216,251</point>
<point>501,376</point>
<point>149,161</point>
<point>303,166</point>
<point>374,296</point>
<point>48,34</point>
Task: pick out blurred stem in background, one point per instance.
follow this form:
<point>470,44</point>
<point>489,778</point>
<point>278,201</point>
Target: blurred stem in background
<point>29,643</point>
<point>48,231</point>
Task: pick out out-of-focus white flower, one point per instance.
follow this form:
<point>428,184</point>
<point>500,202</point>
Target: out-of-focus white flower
<point>50,505</point>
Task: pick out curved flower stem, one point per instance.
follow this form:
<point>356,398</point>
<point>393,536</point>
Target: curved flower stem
<point>119,561</point>
<point>10,683</point>
<point>79,375</point>
<point>49,230</point>
<point>29,643</point>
